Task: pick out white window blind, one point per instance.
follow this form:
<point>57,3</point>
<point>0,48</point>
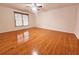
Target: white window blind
<point>25,20</point>
<point>21,19</point>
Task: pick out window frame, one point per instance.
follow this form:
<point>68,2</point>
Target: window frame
<point>22,19</point>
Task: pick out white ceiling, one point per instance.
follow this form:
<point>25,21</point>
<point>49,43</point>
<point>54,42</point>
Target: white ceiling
<point>46,6</point>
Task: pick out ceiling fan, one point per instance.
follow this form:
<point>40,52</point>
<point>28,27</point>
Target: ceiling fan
<point>35,7</point>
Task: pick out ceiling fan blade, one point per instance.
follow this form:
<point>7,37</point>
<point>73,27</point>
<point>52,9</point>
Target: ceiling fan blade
<point>30,4</point>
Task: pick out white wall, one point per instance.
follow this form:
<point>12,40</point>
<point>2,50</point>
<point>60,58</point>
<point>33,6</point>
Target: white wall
<point>60,19</point>
<point>77,24</point>
<point>7,22</point>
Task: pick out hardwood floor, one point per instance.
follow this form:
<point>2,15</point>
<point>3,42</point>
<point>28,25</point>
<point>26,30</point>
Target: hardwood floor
<point>36,41</point>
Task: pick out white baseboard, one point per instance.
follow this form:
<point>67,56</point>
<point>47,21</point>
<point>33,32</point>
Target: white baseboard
<point>10,30</point>
<point>76,35</point>
<point>56,30</point>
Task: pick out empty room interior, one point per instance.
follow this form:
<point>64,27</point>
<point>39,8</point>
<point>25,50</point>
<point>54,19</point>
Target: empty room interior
<point>39,29</point>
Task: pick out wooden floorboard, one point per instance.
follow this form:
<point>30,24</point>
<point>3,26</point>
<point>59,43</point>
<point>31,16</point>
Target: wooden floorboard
<point>38,41</point>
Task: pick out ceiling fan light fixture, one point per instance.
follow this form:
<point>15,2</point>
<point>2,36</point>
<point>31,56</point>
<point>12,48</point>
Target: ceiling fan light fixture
<point>34,7</point>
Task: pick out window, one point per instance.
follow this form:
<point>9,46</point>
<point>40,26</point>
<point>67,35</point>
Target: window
<point>25,20</point>
<point>21,19</point>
